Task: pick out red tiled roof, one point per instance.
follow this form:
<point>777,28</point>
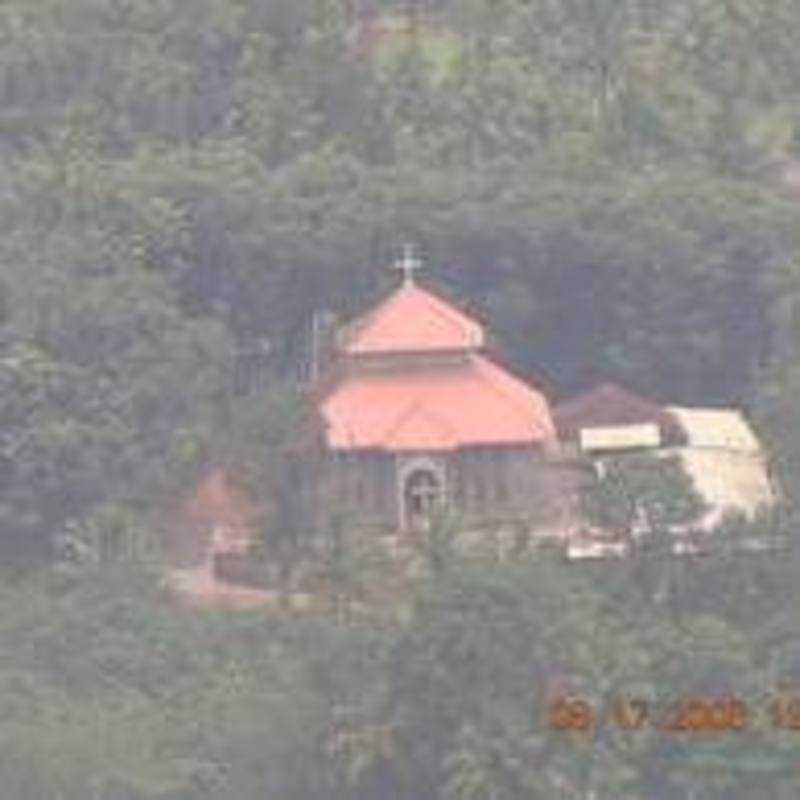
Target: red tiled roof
<point>418,408</point>
<point>411,319</point>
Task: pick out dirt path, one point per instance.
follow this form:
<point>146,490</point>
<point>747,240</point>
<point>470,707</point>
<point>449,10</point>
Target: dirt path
<point>197,587</point>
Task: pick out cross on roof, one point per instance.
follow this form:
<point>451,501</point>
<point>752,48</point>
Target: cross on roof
<point>428,494</point>
<point>408,264</point>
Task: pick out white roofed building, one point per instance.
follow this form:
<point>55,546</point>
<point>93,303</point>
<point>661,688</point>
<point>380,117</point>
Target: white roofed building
<point>726,461</point>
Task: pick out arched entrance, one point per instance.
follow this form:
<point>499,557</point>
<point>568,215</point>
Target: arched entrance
<point>422,495</point>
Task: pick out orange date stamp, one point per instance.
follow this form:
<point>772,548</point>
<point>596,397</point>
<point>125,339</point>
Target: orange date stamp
<point>689,714</point>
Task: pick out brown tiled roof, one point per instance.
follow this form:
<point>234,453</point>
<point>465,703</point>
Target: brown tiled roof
<point>609,405</point>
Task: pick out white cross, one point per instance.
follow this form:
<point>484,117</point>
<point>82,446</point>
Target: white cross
<point>408,264</point>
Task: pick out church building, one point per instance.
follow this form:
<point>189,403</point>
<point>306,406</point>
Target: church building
<point>416,415</point>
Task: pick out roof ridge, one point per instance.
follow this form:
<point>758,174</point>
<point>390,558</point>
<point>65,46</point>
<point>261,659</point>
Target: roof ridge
<point>455,315</point>
<point>470,331</point>
<point>483,361</point>
<point>351,329</point>
<point>414,406</point>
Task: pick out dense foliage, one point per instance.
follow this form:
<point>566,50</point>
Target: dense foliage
<point>183,184</point>
<point>111,692</point>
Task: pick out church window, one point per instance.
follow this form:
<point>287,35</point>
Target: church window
<point>463,481</point>
<point>348,488</point>
<point>422,494</point>
<point>500,475</point>
<point>479,477</point>
<point>458,482</point>
<point>358,468</point>
<point>382,482</point>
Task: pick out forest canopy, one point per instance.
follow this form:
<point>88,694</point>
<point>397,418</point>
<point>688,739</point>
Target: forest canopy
<point>185,183</point>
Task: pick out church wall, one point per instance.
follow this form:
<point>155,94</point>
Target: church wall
<point>360,486</point>
<point>495,485</point>
<point>485,486</point>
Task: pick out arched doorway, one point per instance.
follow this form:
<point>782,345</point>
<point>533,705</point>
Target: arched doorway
<point>422,495</point>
